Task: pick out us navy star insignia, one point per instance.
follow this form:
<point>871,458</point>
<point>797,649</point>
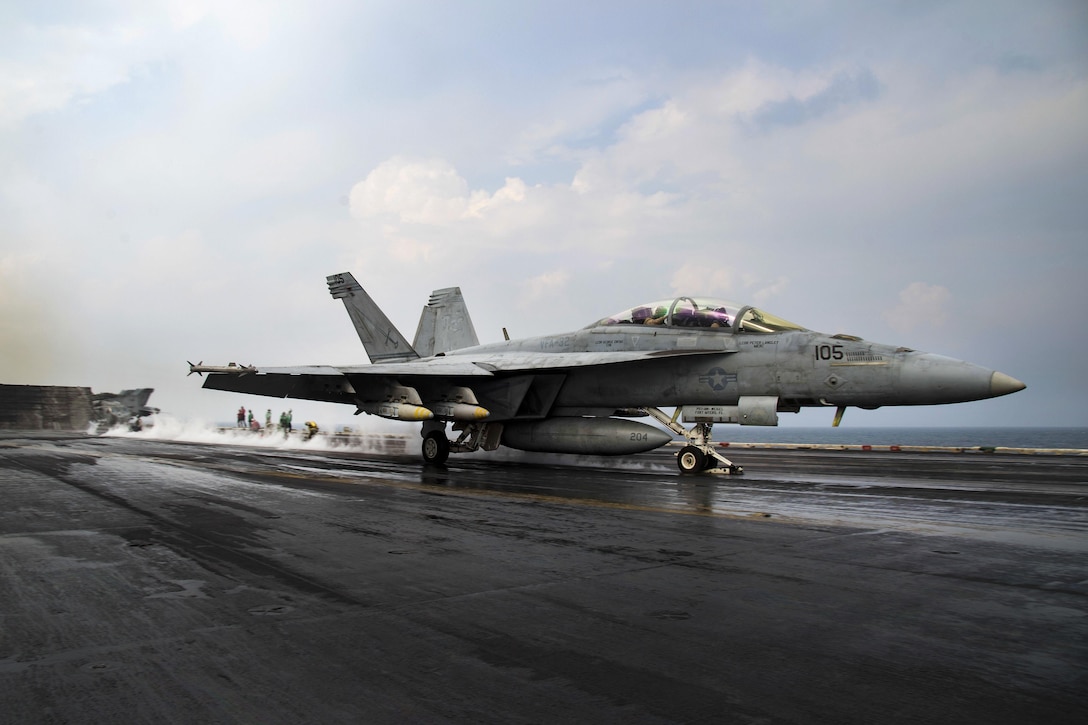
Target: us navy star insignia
<point>717,378</point>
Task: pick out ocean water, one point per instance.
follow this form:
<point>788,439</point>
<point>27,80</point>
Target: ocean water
<point>945,437</point>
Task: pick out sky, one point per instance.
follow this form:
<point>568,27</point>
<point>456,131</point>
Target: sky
<point>177,179</point>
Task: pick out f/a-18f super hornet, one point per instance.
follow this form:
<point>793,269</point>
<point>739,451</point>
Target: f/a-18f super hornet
<point>712,361</point>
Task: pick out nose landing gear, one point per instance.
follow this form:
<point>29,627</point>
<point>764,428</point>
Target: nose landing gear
<point>700,454</point>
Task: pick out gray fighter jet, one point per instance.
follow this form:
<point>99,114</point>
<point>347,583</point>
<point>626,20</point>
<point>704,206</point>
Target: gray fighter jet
<point>711,360</point>
<point>109,409</point>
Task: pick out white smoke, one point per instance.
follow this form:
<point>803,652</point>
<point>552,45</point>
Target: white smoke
<point>373,437</point>
<point>376,437</point>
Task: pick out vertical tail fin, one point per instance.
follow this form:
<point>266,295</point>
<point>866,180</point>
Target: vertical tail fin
<point>445,324</point>
<point>383,342</point>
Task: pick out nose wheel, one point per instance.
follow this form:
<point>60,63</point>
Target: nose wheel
<point>691,460</point>
<point>700,454</point>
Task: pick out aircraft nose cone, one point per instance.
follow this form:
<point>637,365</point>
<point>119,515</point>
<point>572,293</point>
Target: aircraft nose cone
<point>1002,384</point>
<point>928,379</point>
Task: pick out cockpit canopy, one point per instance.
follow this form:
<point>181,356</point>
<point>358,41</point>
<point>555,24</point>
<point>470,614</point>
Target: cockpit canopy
<point>699,312</point>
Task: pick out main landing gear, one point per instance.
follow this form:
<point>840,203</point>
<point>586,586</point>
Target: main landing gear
<point>700,454</point>
<point>436,447</point>
<point>473,436</point>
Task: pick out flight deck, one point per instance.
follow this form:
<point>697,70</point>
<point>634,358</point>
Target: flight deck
<point>159,581</point>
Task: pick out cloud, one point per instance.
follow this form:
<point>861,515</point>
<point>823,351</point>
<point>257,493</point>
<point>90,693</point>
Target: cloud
<point>580,116</point>
<point>702,279</point>
<point>544,286</point>
<point>683,163</point>
<point>45,68</point>
<point>733,283</point>
<point>429,202</point>
<point>412,191</point>
<point>407,250</point>
<point>690,186</point>
<point>845,88</point>
<point>920,304</point>
<point>427,191</point>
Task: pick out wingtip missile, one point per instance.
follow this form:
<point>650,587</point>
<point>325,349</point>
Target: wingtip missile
<point>230,369</point>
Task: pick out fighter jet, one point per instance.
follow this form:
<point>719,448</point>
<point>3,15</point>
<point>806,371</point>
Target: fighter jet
<point>109,409</point>
<point>710,360</point>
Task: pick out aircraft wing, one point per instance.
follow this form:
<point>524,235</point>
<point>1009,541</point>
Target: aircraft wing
<point>453,366</point>
<point>307,382</point>
<point>352,384</point>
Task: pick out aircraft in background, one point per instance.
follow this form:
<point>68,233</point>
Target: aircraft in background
<point>712,361</point>
<point>109,409</point>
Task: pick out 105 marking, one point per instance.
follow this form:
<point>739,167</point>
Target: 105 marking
<point>829,352</point>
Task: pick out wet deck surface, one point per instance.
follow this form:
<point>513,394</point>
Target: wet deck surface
<point>145,581</point>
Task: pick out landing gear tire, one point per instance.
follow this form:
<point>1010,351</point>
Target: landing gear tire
<point>436,447</point>
<point>691,460</point>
